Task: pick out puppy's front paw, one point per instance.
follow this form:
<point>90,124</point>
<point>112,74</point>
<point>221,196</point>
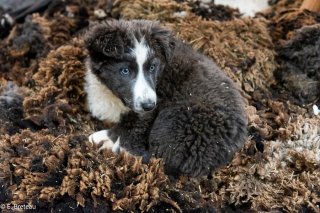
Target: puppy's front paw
<point>101,138</point>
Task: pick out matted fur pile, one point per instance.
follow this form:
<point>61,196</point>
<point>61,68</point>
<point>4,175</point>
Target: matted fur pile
<point>46,159</point>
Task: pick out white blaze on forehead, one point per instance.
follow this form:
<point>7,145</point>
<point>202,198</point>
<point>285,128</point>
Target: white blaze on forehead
<point>140,52</point>
<point>142,92</point>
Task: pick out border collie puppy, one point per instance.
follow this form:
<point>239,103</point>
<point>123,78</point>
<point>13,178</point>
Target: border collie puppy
<point>165,99</point>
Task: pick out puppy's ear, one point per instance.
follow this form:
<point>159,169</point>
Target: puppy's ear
<point>106,39</point>
<point>164,40</point>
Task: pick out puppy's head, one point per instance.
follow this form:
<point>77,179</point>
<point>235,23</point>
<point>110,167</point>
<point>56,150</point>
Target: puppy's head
<point>128,57</point>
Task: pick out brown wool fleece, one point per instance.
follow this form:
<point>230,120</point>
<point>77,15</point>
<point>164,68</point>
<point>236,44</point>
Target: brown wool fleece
<point>48,167</point>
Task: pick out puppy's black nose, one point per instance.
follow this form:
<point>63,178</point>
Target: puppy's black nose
<point>148,106</point>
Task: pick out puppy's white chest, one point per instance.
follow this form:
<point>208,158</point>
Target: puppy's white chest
<point>102,103</point>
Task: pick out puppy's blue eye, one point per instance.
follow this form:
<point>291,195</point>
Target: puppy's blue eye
<point>124,71</point>
<point>152,68</point>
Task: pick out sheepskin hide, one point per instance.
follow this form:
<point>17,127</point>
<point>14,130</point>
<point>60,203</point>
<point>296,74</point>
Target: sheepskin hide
<point>47,161</point>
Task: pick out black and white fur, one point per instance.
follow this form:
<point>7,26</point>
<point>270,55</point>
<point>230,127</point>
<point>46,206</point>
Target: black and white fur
<point>165,99</point>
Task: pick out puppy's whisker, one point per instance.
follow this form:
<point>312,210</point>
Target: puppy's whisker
<point>128,100</point>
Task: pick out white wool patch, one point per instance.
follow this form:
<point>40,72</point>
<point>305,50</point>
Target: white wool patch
<point>102,103</point>
<point>316,110</point>
<point>10,94</point>
<point>141,89</point>
<point>247,7</point>
<point>181,14</point>
<point>306,140</point>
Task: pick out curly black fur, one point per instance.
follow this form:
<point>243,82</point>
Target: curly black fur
<point>199,122</point>
<point>299,60</point>
<point>10,108</point>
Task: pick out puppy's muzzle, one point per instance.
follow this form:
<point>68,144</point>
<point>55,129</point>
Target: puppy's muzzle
<point>148,105</point>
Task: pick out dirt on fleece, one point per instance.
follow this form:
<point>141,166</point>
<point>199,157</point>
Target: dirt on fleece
<point>47,161</point>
